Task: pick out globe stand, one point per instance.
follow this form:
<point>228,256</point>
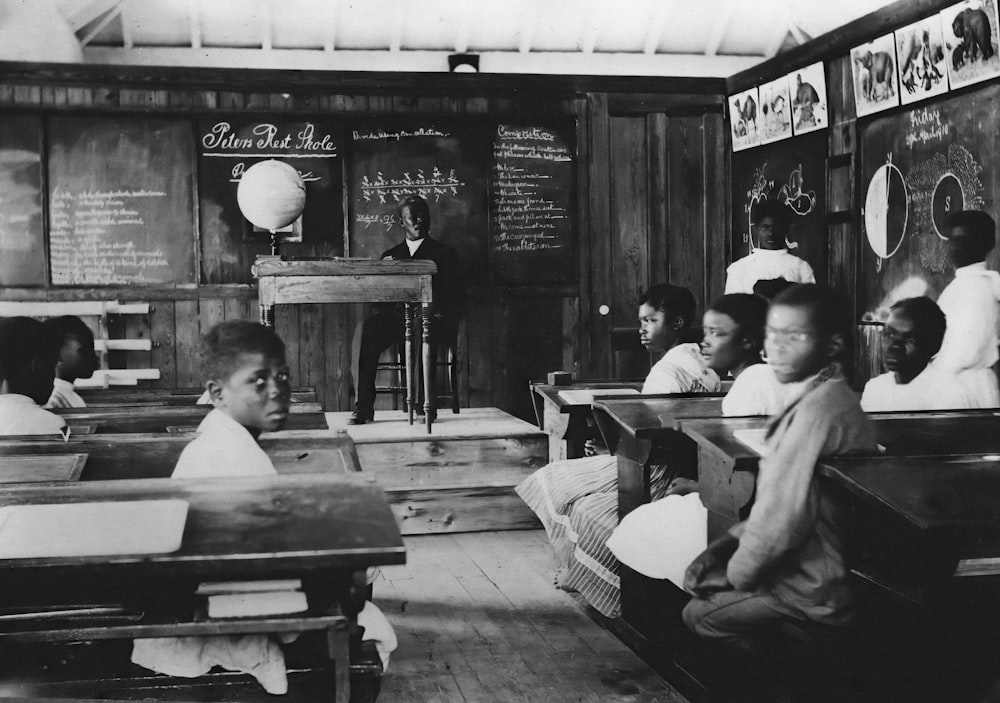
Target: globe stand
<point>275,240</point>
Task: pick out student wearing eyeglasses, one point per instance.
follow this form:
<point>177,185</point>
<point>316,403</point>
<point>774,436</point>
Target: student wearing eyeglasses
<point>910,338</point>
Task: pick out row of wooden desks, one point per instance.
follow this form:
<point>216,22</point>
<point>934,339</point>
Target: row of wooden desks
<point>170,418</point>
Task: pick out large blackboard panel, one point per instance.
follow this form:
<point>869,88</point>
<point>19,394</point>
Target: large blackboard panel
<point>226,148</point>
<point>445,162</point>
<point>532,205</point>
<point>792,171</point>
<point>21,235</point>
<point>916,166</point>
<point>121,201</point>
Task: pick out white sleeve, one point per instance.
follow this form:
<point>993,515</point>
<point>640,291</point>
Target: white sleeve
<point>967,341</point>
<point>734,281</point>
<point>806,274</point>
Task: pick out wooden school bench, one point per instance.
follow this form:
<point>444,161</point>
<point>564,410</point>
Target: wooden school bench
<point>114,397</point>
<point>322,529</point>
<point>144,418</point>
<point>129,456</point>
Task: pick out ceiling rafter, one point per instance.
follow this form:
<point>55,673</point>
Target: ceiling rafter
<point>464,27</point>
<point>718,30</point>
<point>82,14</point>
<point>592,28</point>
<point>128,38</point>
<point>396,29</point>
<point>266,9</point>
<point>656,28</point>
<point>529,21</point>
<point>194,23</point>
<point>109,15</point>
<point>330,25</point>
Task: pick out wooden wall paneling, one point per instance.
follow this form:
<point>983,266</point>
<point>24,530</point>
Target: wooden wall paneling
<point>349,103</point>
<point>183,99</point>
<point>79,97</point>
<point>381,104</point>
<point>211,311</point>
<point>571,335</point>
<point>687,215</point>
<point>312,348</point>
<point>405,103</point>
<point>205,99</point>
<point>581,326</point>
<point>230,100</point>
<point>187,336</point>
<point>428,104</point>
<point>477,105</point>
<point>162,333</point>
<point>463,361</point>
<point>338,329</point>
<point>236,309</point>
<point>281,102</point>
<point>596,352</point>
<point>310,103</point>
<point>53,96</point>
<point>843,242</point>
<point>143,99</point>
<point>452,104</point>
<point>257,101</point>
<point>116,330</point>
<point>529,348</point>
<point>28,95</point>
<point>717,237</point>
<point>657,203</point>
<point>286,324</point>
<point>106,97</point>
<point>631,246</point>
<point>138,327</point>
<point>6,94</point>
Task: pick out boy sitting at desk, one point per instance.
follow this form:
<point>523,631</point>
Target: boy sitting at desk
<point>77,359</point>
<point>911,336</point>
<point>784,564</point>
<point>27,368</point>
<point>970,305</point>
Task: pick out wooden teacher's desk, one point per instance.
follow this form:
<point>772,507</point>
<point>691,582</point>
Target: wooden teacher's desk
<point>322,529</point>
<point>289,281</point>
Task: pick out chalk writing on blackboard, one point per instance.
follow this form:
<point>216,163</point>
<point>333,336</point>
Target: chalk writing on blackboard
<point>926,126</point>
<point>268,141</point>
<point>84,244</point>
<point>382,134</point>
<point>430,187</point>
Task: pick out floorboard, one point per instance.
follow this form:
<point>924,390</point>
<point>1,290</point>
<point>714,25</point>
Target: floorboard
<point>479,618</point>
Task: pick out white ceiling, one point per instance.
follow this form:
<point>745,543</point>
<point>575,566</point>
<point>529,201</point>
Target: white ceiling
<point>620,37</point>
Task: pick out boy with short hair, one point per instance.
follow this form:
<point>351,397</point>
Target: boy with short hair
<point>771,259</point>
<point>970,304</point>
<point>785,562</point>
<point>27,368</point>
<point>247,381</point>
<point>77,359</point>
<point>911,337</point>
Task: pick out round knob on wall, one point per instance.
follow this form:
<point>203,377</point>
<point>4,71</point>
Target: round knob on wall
<point>604,309</point>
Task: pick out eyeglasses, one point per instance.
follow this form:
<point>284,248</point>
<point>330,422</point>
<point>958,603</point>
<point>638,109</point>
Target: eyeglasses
<point>786,337</point>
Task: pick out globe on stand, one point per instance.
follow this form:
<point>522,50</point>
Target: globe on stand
<point>271,195</point>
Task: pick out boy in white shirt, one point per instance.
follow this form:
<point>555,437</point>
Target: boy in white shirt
<point>77,359</point>
<point>247,381</point>
<point>27,367</point>
<point>910,338</point>
<point>970,304</point>
<point>771,259</point>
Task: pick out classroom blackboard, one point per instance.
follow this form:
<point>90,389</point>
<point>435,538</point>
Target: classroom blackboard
<point>444,161</point>
<point>793,172</point>
<point>121,201</point>
<point>916,167</point>
<point>532,204</point>
<point>21,235</point>
<point>226,149</point>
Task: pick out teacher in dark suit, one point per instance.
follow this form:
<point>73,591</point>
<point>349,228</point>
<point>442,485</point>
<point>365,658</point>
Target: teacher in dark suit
<point>385,328</point>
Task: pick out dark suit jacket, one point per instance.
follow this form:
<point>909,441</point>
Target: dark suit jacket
<point>448,284</point>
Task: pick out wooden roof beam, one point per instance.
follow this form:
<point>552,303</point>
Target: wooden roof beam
<point>86,12</point>
<point>592,28</point>
<point>718,30</point>
<point>104,22</point>
<point>266,9</point>
<point>528,24</point>
<point>656,28</point>
<point>194,23</point>
<point>330,25</point>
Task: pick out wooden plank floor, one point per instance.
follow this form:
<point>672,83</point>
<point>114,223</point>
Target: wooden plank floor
<point>479,618</point>
<point>394,426</point>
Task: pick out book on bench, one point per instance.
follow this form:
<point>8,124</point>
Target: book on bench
<point>240,599</point>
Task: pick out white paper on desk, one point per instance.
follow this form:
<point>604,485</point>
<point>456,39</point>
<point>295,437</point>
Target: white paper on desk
<point>241,605</point>
<point>752,440</point>
<point>586,396</point>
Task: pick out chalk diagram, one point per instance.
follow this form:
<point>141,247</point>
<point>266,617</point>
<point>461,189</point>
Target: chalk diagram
<point>799,201</point>
<point>919,204</point>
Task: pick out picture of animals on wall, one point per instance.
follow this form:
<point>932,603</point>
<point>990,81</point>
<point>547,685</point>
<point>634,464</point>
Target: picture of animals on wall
<point>971,41</point>
<point>873,66</point>
<point>808,86</point>
<point>920,53</point>
<point>775,111</point>
<point>743,112</point>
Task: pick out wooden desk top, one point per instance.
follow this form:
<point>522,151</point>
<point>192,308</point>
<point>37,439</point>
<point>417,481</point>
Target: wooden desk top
<point>958,494</point>
<point>247,526</point>
<point>277,266</point>
<point>31,468</point>
<point>649,416</point>
<point>158,418</point>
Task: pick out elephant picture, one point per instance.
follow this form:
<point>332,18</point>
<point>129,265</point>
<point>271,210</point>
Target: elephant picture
<point>971,41</point>
<point>808,90</point>
<point>876,82</point>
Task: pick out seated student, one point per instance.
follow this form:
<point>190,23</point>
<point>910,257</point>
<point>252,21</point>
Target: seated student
<point>910,338</point>
<point>785,562</point>
<point>27,367</point>
<point>558,489</point>
<point>771,258</point>
<point>248,381</point>
<point>969,304</point>
<point>77,359</point>
<point>659,539</point>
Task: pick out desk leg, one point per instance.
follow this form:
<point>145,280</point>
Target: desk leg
<point>339,652</point>
<point>429,385</point>
<point>410,378</point>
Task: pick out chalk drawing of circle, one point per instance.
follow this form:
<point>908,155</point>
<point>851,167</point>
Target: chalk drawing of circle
<point>949,197</point>
<point>886,211</point>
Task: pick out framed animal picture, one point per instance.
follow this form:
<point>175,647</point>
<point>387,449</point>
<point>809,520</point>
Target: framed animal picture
<point>873,66</point>
<point>743,118</point>
<point>775,111</point>
<point>971,41</point>
<point>809,106</point>
<point>920,56</point>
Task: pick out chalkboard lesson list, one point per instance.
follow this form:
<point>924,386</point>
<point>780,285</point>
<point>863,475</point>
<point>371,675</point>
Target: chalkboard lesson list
<point>120,202</point>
